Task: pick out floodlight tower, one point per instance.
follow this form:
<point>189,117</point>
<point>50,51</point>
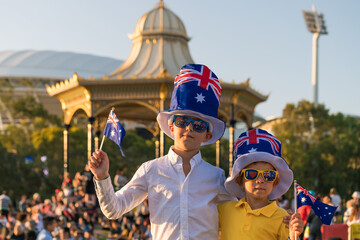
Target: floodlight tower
<point>315,24</point>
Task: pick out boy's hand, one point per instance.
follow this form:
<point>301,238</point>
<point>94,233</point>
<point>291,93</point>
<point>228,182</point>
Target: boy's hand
<point>296,226</point>
<point>286,219</point>
<point>99,164</point>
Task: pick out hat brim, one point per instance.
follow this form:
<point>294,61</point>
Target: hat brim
<point>217,126</point>
<point>285,174</point>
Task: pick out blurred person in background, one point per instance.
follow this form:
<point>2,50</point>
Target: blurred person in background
<point>336,201</point>
<point>5,204</point>
<point>20,230</point>
<point>49,226</point>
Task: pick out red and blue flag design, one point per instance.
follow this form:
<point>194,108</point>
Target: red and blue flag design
<point>324,211</point>
<point>198,89</point>
<point>114,130</point>
<point>202,75</point>
<point>255,139</point>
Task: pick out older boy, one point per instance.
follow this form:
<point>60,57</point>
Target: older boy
<point>183,190</point>
<point>259,175</point>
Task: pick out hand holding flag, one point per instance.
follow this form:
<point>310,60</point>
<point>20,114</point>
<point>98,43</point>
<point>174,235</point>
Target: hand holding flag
<point>324,211</point>
<point>114,130</point>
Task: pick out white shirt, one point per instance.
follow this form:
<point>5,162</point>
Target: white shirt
<point>44,235</point>
<point>336,201</point>
<point>180,207</point>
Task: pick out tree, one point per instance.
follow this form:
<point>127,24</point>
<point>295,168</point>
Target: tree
<point>321,148</point>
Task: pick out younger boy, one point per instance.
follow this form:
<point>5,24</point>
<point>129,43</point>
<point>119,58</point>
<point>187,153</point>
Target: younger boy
<point>259,175</point>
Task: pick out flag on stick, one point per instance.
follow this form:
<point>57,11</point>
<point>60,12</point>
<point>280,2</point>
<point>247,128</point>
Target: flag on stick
<point>324,211</point>
<point>114,130</point>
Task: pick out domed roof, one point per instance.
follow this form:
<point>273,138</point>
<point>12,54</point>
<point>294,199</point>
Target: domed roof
<point>52,64</point>
<point>159,20</point>
<point>160,47</point>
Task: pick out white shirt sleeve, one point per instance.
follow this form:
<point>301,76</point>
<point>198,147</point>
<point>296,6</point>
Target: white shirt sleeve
<point>114,205</point>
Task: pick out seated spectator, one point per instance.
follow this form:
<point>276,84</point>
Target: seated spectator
<point>354,214</point>
<point>347,212</point>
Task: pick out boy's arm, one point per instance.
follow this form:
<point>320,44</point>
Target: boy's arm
<point>114,205</point>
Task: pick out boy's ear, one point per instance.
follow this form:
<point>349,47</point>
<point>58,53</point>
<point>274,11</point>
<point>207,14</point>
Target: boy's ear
<point>171,128</point>
<point>239,181</point>
<point>208,136</point>
<point>276,182</point>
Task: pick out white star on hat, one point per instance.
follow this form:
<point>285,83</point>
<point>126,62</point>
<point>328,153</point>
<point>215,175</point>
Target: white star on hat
<point>252,150</point>
<point>200,98</point>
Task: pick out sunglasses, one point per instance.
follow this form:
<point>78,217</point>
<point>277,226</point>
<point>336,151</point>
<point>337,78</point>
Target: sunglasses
<point>198,124</point>
<point>253,174</point>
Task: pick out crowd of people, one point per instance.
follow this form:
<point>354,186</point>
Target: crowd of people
<point>71,213</point>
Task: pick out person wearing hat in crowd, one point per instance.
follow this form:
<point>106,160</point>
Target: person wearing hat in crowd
<point>356,197</point>
<point>259,176</point>
<point>183,190</point>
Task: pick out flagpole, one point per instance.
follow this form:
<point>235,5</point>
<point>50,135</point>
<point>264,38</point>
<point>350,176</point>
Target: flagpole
<point>102,142</point>
<point>295,203</point>
<point>103,138</point>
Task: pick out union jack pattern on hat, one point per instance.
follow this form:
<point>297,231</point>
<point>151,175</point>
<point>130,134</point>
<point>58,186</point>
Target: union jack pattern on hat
<point>197,92</point>
<point>196,88</point>
<point>257,140</point>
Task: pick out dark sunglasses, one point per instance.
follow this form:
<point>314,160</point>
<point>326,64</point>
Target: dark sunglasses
<point>253,174</point>
<point>198,124</point>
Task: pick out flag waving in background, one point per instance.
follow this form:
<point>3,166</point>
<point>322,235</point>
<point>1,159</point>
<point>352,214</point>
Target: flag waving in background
<point>114,130</point>
<point>324,211</point>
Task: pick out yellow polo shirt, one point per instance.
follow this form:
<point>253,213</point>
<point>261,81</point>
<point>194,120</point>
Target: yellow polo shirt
<point>239,222</point>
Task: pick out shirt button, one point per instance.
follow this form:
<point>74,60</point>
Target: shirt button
<point>184,228</point>
<point>183,206</point>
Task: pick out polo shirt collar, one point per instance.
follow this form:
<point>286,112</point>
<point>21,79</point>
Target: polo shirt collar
<point>174,158</point>
<point>267,211</point>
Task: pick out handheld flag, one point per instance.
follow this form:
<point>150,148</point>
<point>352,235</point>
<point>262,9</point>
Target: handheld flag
<point>114,130</point>
<point>324,211</point>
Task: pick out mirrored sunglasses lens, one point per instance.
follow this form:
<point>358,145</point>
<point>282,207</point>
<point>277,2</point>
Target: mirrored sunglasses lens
<point>199,125</point>
<point>251,174</point>
<point>269,176</point>
<point>181,121</point>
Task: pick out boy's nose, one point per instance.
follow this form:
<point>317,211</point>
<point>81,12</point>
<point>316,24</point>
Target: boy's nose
<point>260,178</point>
<point>189,127</point>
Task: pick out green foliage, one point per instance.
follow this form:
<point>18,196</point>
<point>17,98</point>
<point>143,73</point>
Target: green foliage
<point>321,148</point>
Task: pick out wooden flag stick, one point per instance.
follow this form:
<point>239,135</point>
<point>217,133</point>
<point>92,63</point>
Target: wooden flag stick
<point>103,138</point>
<point>102,142</point>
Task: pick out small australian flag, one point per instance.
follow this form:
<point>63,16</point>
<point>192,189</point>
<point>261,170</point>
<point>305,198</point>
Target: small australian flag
<point>114,130</point>
<point>324,211</point>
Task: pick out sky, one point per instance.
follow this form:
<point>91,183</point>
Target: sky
<point>266,41</point>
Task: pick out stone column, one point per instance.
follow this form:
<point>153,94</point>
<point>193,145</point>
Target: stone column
<point>89,137</point>
<point>231,144</point>
<point>157,147</point>
<point>218,153</point>
<point>66,148</point>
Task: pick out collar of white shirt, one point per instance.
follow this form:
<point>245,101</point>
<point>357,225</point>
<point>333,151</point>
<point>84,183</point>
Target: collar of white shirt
<point>174,158</point>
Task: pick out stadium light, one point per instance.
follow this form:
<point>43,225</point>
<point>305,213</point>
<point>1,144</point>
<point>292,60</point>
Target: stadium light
<point>315,23</point>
